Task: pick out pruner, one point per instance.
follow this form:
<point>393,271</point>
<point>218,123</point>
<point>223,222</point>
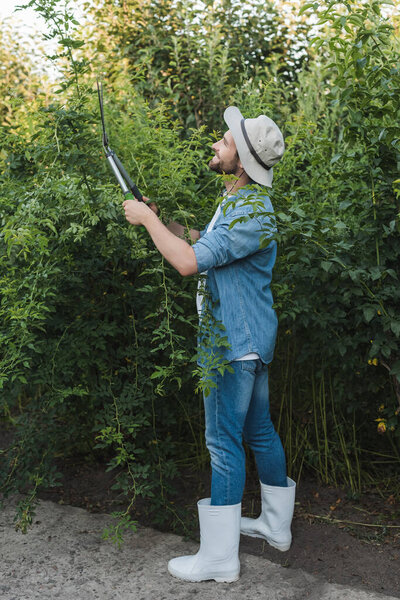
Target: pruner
<point>129,189</point>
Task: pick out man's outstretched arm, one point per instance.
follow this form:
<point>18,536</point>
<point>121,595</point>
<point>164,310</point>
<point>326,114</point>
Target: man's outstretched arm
<point>173,226</point>
<point>176,250</point>
<point>180,231</point>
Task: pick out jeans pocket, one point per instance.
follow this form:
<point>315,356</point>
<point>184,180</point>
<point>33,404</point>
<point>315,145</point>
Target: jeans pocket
<point>249,365</point>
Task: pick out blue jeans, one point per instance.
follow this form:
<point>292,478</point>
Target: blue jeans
<point>238,407</point>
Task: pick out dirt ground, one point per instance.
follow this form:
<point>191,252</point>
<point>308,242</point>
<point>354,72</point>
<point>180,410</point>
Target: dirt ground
<point>343,540</point>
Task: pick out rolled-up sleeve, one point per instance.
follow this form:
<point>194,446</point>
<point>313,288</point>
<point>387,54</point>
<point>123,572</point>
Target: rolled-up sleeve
<point>223,245</point>
<point>203,231</point>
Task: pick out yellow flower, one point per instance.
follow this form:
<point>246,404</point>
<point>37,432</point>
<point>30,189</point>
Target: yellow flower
<point>375,362</point>
<point>124,272</point>
<point>381,427</point>
<point>382,406</point>
<point>379,312</point>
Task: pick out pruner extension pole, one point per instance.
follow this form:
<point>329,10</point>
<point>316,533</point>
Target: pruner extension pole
<point>129,189</point>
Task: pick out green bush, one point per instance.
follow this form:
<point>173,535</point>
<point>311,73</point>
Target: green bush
<point>193,56</point>
<point>336,284</point>
<point>97,332</point>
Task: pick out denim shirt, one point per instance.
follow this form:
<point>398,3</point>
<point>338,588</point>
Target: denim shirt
<point>239,274</point>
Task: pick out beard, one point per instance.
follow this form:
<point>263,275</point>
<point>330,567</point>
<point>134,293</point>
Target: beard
<point>221,168</point>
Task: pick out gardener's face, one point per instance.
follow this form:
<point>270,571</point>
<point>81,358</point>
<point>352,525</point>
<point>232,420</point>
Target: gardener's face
<point>226,159</point>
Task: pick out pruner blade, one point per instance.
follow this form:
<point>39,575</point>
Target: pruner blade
<point>128,187</point>
<point>100,95</point>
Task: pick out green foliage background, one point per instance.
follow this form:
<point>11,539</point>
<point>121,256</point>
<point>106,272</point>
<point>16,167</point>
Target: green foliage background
<point>98,332</point>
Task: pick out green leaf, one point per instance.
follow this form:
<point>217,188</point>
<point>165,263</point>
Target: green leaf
<point>382,134</point>
<point>392,273</point>
<point>157,374</point>
<point>395,370</point>
<point>335,158</point>
<point>326,265</point>
<point>369,313</point>
<point>395,327</point>
<point>340,225</point>
<point>345,204</point>
<point>70,43</point>
<point>306,6</point>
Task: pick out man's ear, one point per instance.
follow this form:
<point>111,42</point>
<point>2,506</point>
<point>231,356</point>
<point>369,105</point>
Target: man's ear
<point>239,164</point>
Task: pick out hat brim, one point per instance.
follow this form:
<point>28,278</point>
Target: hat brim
<point>254,170</point>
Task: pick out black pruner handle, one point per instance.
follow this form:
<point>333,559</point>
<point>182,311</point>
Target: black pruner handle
<point>132,186</point>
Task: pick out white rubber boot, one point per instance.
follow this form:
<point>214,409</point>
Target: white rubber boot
<point>273,524</point>
<point>218,555</point>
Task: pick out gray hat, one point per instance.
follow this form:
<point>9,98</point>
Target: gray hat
<point>259,143</point>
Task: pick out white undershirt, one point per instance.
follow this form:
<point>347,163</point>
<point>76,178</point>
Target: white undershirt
<point>199,295</point>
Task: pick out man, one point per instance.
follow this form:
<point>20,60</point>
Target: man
<point>238,285</point>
